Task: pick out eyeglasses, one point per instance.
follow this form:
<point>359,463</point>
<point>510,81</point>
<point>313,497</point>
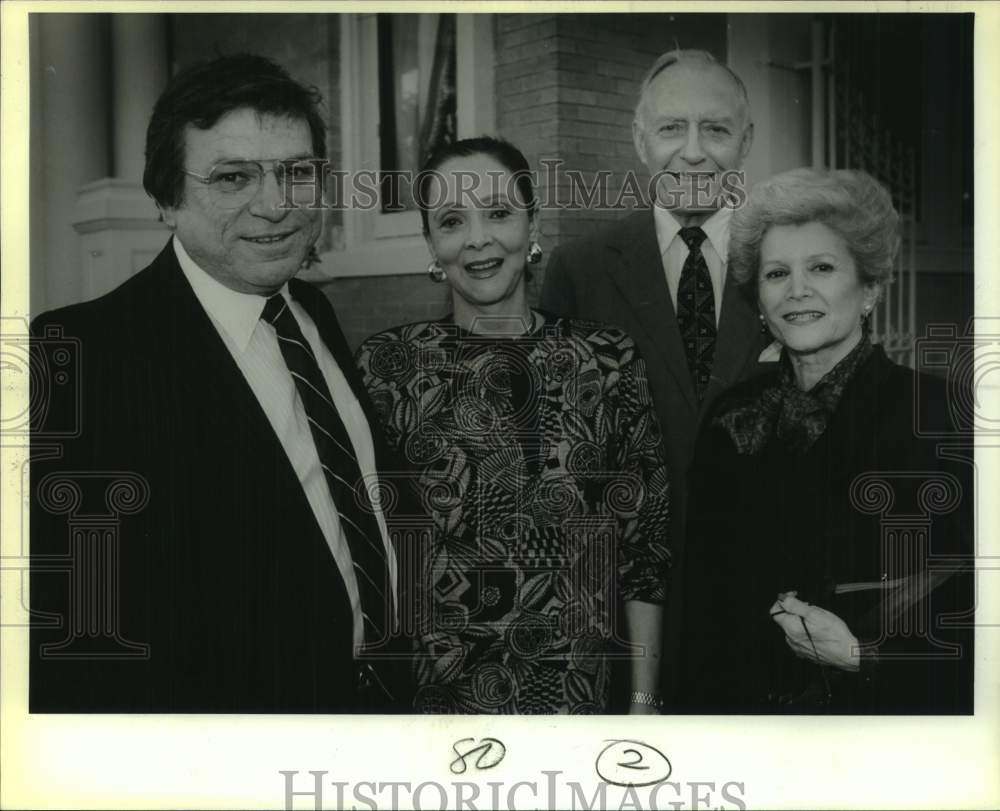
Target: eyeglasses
<point>235,182</point>
<point>827,696</point>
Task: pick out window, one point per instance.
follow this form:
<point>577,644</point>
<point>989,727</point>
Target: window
<point>416,81</point>
<point>404,89</point>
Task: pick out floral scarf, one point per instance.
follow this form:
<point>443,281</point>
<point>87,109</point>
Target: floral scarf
<point>798,418</point>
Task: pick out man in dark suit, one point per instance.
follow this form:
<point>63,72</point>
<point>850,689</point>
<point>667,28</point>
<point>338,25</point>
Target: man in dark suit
<point>203,541</point>
<point>660,274</point>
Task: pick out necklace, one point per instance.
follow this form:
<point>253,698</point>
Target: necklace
<point>504,326</point>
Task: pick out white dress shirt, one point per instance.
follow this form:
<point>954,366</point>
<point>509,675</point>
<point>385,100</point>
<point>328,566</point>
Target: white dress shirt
<point>674,251</point>
<point>254,346</point>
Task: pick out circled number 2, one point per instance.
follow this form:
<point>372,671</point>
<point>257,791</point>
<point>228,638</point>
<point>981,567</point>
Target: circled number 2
<point>632,763</point>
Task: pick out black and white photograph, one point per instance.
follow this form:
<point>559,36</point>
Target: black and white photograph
<point>382,382</point>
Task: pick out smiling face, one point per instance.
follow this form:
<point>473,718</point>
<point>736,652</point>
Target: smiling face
<point>255,247</point>
<point>692,121</point>
<point>480,238</point>
<point>811,294</point>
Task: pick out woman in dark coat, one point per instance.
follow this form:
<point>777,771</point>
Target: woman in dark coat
<point>829,542</point>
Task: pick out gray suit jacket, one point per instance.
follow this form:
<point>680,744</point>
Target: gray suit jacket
<point>616,276</point>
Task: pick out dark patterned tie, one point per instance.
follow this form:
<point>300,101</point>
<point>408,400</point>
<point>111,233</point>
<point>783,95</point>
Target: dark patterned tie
<point>343,475</point>
<point>696,311</point>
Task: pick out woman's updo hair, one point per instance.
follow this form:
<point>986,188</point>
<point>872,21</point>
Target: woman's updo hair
<point>851,203</point>
<point>504,153</point>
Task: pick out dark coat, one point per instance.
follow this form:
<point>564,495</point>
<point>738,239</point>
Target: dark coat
<point>222,594</point>
<point>857,507</point>
<point>616,277</point>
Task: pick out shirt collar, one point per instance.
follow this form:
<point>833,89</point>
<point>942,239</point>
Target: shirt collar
<point>236,313</point>
<point>716,229</point>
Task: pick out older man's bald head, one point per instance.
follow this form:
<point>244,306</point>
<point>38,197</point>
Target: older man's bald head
<point>694,60</point>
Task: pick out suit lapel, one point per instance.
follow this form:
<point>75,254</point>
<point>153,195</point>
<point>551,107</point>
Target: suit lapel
<point>640,278</point>
<point>192,333</point>
<point>212,363</point>
<point>216,391</point>
<point>738,340</point>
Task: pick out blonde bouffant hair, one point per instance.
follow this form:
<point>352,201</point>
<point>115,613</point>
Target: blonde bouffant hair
<point>849,202</point>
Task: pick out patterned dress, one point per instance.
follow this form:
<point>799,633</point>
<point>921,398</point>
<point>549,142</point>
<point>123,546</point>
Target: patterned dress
<point>538,464</point>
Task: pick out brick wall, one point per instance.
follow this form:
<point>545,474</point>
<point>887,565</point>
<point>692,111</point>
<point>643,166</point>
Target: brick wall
<point>566,89</point>
<point>366,305</point>
<point>527,100</point>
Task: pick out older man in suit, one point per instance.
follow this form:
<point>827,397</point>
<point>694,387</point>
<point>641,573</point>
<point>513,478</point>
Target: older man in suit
<point>222,426</point>
<point>661,273</point>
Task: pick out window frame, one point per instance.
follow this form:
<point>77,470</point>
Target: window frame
<point>390,244</point>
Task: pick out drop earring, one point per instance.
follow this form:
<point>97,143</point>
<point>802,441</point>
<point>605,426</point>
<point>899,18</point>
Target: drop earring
<point>763,324</point>
<point>435,272</point>
<point>866,319</point>
<point>534,253</point>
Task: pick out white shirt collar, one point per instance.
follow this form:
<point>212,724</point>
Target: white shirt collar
<point>716,229</point>
<point>237,313</point>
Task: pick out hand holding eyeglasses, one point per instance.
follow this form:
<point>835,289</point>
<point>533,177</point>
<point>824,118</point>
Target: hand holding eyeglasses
<point>816,634</point>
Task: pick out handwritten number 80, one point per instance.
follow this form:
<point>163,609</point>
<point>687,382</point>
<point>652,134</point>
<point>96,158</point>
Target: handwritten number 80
<point>489,752</point>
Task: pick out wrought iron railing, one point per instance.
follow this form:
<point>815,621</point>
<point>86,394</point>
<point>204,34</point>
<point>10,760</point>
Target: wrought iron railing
<point>860,141</point>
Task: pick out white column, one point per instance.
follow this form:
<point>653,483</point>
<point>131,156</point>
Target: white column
<point>72,150</point>
<point>139,74</point>
<point>118,223</point>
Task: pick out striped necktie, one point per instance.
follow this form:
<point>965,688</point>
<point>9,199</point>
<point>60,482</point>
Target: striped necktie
<point>340,466</point>
<point>696,310</point>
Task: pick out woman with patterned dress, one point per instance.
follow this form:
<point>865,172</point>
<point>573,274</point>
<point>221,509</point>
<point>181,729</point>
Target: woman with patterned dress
<point>530,440</point>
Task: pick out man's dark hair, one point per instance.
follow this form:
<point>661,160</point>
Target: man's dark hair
<point>202,94</point>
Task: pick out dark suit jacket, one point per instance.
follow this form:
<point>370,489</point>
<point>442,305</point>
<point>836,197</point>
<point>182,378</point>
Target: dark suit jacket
<point>176,563</point>
<point>855,508</point>
<point>617,277</point>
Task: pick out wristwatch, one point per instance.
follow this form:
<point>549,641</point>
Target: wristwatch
<point>648,699</point>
